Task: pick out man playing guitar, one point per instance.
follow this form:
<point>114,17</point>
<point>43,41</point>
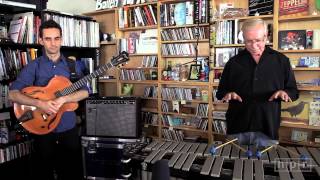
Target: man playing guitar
<point>59,150</point>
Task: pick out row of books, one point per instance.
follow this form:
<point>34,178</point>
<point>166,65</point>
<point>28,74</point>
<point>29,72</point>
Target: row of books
<point>4,131</point>
<point>145,42</point>
<point>172,135</point>
<point>298,135</point>
<point>168,120</point>
<point>150,118</point>
<point>184,13</point>
<point>136,74</point>
<point>165,107</point>
<point>186,33</point>
<point>220,126</point>
<point>178,49</point>
<point>177,107</point>
<point>178,93</point>
<point>203,124</point>
<point>4,96</point>
<point>308,82</point>
<point>12,61</point>
<point>173,93</point>
<point>150,91</point>
<point>149,61</point>
<point>24,28</point>
<point>196,122</point>
<point>193,122</point>
<point>129,45</point>
<point>219,115</point>
<point>15,151</point>
<point>214,92</point>
<point>308,61</point>
<point>76,32</point>
<point>226,32</point>
<point>137,16</point>
<point>202,110</point>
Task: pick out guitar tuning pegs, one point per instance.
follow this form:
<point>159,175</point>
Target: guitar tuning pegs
<point>125,53</point>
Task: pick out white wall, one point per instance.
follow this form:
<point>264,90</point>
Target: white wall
<point>72,6</point>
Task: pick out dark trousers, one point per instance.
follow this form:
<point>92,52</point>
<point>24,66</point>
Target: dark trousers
<point>59,153</point>
<point>257,139</point>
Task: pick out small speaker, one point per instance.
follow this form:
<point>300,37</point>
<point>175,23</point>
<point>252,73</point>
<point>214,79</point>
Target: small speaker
<point>113,117</point>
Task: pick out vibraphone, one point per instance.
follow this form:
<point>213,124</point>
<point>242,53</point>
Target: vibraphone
<point>193,161</point>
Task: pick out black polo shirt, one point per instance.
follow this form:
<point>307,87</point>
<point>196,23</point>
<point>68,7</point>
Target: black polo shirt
<point>255,84</point>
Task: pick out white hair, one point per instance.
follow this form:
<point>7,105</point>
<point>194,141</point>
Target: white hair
<point>252,23</point>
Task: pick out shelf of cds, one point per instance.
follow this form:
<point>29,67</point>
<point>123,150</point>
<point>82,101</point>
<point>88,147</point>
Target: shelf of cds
<point>19,45</point>
<point>178,50</point>
<point>303,52</point>
<point>79,31</point>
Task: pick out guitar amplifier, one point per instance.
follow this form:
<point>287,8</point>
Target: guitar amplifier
<point>113,117</point>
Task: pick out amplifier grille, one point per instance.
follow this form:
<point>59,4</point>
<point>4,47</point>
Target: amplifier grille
<point>115,118</point>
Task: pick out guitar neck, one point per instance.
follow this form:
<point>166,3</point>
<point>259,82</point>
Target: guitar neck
<point>83,81</point>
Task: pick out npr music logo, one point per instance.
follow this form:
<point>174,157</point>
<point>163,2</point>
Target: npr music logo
<point>292,165</point>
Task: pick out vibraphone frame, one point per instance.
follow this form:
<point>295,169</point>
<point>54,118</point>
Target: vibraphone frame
<point>229,162</point>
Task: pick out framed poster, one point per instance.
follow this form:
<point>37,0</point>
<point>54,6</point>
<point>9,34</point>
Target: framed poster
<point>292,7</point>
<point>194,72</point>
<point>292,39</point>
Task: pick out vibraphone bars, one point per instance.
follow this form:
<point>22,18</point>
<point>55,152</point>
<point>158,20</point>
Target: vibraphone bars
<point>193,160</point>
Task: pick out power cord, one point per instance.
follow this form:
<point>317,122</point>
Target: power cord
<point>197,34</point>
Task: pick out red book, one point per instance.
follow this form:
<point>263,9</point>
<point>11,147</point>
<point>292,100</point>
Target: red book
<point>149,17</point>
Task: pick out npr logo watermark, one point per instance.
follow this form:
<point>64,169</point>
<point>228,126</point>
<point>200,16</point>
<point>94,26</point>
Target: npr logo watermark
<point>292,165</point>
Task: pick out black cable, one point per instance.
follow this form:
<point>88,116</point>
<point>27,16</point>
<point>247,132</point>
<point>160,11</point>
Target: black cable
<point>197,31</point>
<point>197,34</point>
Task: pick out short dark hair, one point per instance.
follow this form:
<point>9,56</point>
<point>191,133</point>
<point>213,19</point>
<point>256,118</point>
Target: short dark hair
<point>49,24</point>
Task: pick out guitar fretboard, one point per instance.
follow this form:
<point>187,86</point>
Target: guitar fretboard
<point>83,81</point>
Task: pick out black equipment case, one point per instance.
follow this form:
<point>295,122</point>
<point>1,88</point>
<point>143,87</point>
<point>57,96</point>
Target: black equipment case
<point>104,158</point>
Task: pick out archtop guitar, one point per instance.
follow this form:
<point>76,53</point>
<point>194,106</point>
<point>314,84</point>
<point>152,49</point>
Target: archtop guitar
<point>36,120</point>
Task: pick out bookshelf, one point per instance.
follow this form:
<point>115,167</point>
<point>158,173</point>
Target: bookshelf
<point>174,38</point>
<point>287,22</point>
<point>10,145</point>
<point>107,24</point>
<point>15,144</point>
<point>301,21</point>
<point>13,141</point>
<point>206,48</point>
<point>153,101</point>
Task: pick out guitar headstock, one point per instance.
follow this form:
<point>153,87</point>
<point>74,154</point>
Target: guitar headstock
<point>121,58</point>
